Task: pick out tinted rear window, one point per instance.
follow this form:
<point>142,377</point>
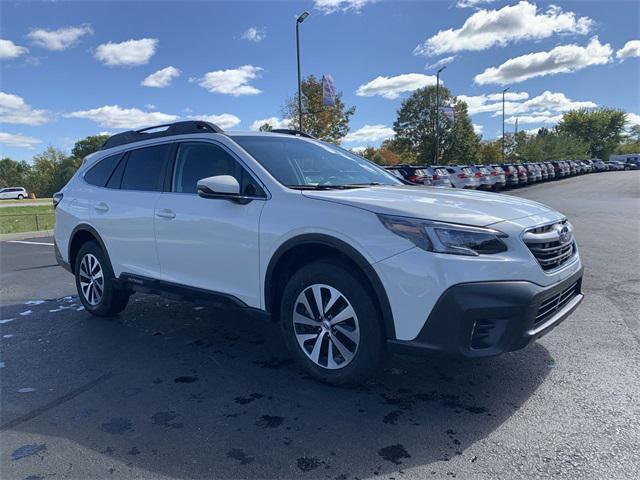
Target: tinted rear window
<point>101,171</point>
<point>144,168</point>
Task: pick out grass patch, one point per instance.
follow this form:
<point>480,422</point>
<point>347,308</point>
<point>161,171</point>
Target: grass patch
<point>26,219</point>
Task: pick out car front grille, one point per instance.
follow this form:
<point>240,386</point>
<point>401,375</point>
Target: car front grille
<point>549,307</point>
<point>552,245</point>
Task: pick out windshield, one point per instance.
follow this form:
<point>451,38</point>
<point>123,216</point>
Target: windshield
<point>301,163</point>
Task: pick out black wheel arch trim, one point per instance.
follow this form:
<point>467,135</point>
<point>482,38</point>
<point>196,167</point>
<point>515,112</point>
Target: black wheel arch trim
<point>348,251</point>
<point>85,227</point>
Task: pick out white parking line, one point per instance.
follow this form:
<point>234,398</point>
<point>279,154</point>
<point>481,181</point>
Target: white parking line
<point>30,243</point>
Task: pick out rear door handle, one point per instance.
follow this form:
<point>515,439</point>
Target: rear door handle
<point>101,207</point>
<point>166,213</point>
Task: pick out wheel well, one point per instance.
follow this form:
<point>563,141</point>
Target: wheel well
<point>302,254</point>
<point>79,238</point>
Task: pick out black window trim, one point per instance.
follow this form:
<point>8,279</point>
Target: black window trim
<point>168,180</point>
<point>95,164</point>
<point>125,158</point>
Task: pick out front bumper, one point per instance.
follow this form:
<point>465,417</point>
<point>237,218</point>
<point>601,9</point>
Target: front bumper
<point>482,319</point>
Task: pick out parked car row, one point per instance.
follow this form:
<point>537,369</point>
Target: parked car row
<point>506,175</point>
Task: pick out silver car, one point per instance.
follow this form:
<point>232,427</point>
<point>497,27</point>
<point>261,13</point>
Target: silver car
<point>462,177</point>
<point>439,176</point>
<point>483,175</point>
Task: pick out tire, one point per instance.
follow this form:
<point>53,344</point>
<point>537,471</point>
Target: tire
<point>92,264</point>
<point>355,344</point>
<point>20,197</point>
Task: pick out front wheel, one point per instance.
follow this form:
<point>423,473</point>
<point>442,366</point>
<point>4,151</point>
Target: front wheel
<point>330,323</point>
<point>95,282</point>
<point>20,197</point>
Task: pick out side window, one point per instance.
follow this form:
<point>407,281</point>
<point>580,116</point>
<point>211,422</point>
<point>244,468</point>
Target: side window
<point>143,169</point>
<point>197,160</point>
<point>101,171</point>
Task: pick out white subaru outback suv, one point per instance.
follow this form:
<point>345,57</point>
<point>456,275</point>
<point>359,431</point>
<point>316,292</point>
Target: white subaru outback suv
<point>349,260</point>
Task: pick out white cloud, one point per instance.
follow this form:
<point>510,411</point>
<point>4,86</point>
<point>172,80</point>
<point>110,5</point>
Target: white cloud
<point>546,108</point>
<point>254,34</point>
<point>630,49</point>
<point>561,59</point>
<point>543,117</point>
<point>8,49</point>
<point>472,3</point>
<point>392,87</point>
<point>161,78</point>
<point>130,52</point>
<point>275,122</point>
<point>18,140</point>
<point>13,109</point>
<point>492,102</point>
<point>60,39</point>
<point>370,133</point>
<point>232,82</point>
<point>358,150</point>
<point>224,120</point>
<point>440,63</point>
<point>478,129</point>
<point>332,6</point>
<point>487,28</point>
<point>114,116</point>
<point>633,119</point>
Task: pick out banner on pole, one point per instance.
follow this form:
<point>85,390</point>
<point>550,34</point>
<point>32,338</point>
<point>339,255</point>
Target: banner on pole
<point>328,91</point>
<point>448,112</point>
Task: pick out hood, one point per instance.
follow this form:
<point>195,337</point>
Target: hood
<point>431,203</point>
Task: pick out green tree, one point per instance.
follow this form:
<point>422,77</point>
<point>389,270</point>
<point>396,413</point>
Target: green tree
<point>326,123</point>
<point>601,129</point>
<point>550,145</point>
<point>265,127</point>
<point>490,152</point>
<point>14,173</point>
<point>415,128</point>
<point>87,146</point>
<point>51,170</point>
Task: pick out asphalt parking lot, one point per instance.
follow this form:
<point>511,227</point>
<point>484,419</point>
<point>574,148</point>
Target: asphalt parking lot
<point>172,390</point>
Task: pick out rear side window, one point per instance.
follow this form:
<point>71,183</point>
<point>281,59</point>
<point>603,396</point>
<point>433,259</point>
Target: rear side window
<point>144,168</point>
<point>99,174</point>
<point>196,161</point>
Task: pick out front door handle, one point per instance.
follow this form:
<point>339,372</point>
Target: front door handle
<point>166,213</point>
<point>101,207</point>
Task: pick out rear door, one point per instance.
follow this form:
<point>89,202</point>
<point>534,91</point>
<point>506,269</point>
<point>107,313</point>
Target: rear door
<point>123,211</point>
<point>210,243</point>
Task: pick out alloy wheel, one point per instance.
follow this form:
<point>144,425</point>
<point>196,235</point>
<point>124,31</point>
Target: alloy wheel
<point>326,326</point>
<point>91,279</point>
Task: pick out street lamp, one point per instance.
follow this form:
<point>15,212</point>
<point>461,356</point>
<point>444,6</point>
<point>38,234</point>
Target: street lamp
<point>438,113</point>
<point>503,92</point>
<point>299,20</point>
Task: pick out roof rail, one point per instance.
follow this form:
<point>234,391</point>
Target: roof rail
<point>177,128</point>
<point>289,131</point>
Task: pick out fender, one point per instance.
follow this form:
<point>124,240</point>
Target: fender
<point>87,228</point>
<point>349,252</point>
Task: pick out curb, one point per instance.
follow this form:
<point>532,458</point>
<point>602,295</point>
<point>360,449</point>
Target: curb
<point>22,235</point>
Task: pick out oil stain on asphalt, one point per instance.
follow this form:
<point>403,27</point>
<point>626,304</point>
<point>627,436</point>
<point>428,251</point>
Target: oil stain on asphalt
<point>117,426</point>
<point>238,454</point>
<point>28,451</point>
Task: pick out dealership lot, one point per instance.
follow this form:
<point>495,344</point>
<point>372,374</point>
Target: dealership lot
<point>173,390</point>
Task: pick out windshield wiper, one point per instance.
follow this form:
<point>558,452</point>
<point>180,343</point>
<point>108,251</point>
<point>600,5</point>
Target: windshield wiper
<point>368,184</point>
<point>317,187</point>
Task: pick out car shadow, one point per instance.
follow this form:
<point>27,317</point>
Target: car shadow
<point>202,392</point>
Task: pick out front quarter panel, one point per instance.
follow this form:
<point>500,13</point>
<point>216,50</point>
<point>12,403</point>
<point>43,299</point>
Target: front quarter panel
<point>292,215</point>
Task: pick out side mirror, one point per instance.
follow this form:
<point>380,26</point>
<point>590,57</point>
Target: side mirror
<point>221,186</point>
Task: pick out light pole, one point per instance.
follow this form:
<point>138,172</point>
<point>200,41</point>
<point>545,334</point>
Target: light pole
<point>438,113</point>
<point>503,92</point>
<point>299,20</point>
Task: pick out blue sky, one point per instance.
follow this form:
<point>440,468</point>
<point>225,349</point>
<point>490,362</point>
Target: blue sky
<point>72,69</point>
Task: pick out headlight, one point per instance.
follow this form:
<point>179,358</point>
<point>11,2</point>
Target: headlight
<point>443,237</point>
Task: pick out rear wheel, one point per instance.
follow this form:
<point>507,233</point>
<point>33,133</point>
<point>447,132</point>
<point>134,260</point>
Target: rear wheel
<point>95,282</point>
<point>330,323</point>
<point>20,197</point>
